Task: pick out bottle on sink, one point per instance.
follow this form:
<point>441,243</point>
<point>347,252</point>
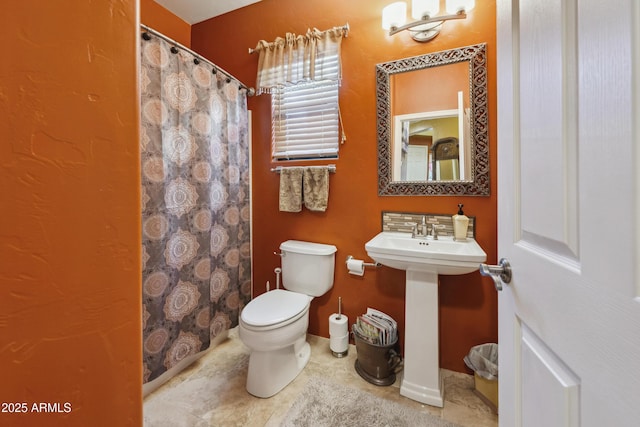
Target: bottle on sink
<point>460,224</point>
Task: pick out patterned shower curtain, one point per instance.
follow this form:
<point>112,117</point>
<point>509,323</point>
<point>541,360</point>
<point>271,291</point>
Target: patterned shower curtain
<point>195,204</point>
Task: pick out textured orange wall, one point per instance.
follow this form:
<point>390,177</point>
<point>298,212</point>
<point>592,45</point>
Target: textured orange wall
<point>70,291</point>
<point>160,19</point>
<point>468,304</point>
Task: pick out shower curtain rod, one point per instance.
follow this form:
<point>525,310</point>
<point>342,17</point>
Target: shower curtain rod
<point>250,91</point>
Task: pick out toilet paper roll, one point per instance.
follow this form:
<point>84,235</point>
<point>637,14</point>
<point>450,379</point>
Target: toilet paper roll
<point>338,333</point>
<point>338,325</point>
<point>339,344</point>
<point>356,267</point>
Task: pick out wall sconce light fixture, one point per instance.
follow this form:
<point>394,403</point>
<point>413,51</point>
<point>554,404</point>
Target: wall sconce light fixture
<point>428,25</point>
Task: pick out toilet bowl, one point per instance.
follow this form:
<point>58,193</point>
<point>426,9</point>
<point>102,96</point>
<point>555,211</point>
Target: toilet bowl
<point>276,338</point>
<point>274,325</point>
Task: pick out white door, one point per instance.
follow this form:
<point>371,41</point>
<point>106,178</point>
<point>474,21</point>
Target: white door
<point>569,209</point>
<point>417,162</point>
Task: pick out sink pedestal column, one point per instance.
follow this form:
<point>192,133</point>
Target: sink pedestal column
<point>421,378</point>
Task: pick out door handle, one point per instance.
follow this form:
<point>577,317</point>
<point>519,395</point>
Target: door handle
<point>500,273</point>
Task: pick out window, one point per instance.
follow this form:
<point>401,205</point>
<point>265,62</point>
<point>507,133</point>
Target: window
<point>305,121</point>
<point>302,73</point>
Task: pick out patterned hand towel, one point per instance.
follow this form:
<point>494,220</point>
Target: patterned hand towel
<point>316,188</point>
<point>291,189</point>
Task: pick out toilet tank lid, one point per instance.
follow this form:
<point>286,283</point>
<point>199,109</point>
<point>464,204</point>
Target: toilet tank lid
<point>308,248</point>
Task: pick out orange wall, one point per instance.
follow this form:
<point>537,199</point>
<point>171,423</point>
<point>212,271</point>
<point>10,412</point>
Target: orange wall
<point>468,304</point>
<point>160,19</point>
<point>70,291</point>
<point>429,89</point>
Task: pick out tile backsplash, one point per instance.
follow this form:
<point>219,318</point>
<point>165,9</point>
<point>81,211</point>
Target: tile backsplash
<point>404,221</point>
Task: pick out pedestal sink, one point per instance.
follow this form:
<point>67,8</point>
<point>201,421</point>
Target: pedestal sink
<point>423,259</point>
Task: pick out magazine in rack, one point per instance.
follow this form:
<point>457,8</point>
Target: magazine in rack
<point>376,328</point>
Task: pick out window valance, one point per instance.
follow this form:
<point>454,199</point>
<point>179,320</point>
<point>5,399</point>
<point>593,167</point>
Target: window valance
<point>298,58</point>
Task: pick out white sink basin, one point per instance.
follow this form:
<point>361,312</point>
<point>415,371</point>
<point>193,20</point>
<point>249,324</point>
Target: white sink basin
<point>443,256</point>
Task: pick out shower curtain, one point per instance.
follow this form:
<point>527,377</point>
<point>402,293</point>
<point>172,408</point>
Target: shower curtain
<point>195,204</point>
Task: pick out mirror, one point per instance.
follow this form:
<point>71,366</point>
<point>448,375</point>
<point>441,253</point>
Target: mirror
<point>433,125</point>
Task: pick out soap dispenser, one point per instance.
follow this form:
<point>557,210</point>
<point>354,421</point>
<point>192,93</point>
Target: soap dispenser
<point>460,224</point>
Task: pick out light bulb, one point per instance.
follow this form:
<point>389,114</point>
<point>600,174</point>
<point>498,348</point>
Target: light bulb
<point>455,6</point>
<point>422,8</point>
<point>394,15</point>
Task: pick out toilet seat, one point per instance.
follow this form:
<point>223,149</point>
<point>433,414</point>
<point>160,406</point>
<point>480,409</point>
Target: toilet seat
<point>274,309</point>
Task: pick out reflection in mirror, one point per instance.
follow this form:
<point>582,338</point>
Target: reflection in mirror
<point>432,145</point>
<point>432,133</point>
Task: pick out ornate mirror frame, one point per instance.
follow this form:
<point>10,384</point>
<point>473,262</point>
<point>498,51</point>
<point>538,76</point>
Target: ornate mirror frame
<point>478,184</point>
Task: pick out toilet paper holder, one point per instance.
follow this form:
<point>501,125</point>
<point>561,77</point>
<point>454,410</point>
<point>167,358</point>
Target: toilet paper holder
<point>366,264</point>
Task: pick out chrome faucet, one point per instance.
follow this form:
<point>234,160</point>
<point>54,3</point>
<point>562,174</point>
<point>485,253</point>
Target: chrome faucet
<point>424,227</point>
<point>420,230</point>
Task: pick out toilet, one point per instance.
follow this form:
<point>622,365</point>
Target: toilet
<point>274,324</point>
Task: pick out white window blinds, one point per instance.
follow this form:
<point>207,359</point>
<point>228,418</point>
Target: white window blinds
<point>305,121</point>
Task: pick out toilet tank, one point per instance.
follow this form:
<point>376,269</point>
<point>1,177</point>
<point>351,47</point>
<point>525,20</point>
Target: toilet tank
<point>307,267</point>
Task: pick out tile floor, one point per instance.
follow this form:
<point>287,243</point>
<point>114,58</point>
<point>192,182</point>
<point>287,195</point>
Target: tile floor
<point>211,392</point>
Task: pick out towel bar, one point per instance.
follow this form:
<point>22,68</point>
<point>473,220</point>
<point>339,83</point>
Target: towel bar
<point>332,168</point>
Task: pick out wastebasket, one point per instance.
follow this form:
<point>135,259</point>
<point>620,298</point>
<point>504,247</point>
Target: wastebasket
<point>376,363</point>
<point>483,360</point>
